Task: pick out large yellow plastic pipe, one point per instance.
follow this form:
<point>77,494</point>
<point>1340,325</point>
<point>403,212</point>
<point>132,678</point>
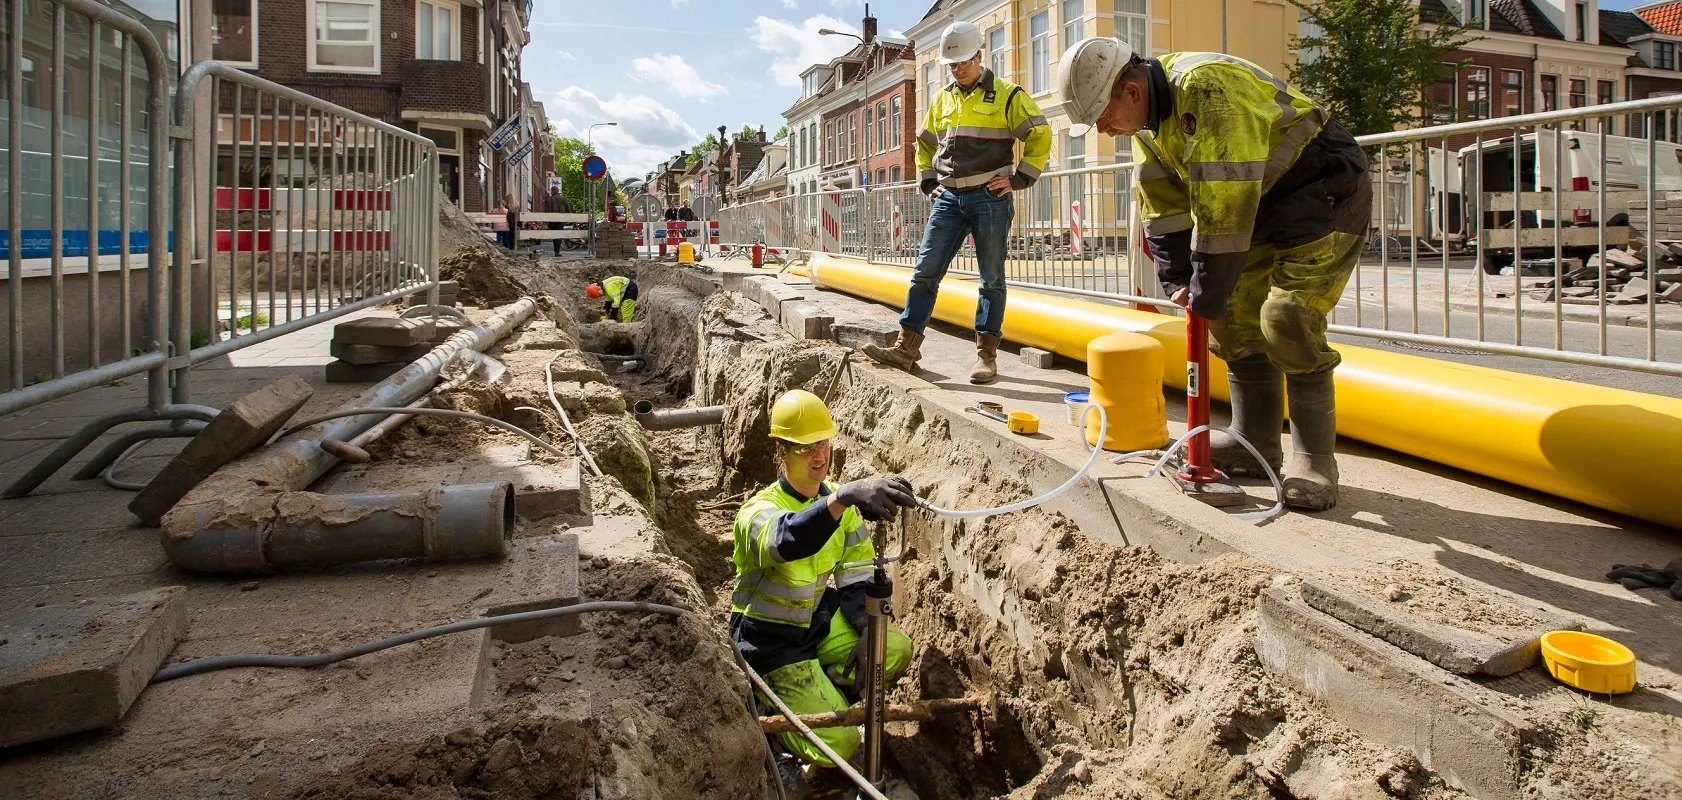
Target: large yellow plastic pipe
<point>1615,449</point>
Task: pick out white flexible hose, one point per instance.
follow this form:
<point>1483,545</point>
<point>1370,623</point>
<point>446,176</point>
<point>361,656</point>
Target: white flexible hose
<point>1103,430</point>
<point>1273,477</point>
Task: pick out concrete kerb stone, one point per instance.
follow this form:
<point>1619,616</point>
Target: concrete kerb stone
<point>244,425</point>
<point>363,354</point>
<point>72,668</point>
<point>1393,698</point>
<point>1459,651</point>
<point>770,294</point>
<point>384,331</point>
<point>856,332</point>
<point>805,320</point>
<point>346,372</point>
<point>445,327</point>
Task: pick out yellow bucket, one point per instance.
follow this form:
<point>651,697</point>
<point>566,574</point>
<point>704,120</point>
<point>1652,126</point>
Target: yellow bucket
<point>1125,370</point>
<point>1589,662</point>
<point>685,253</point>
<point>1023,422</point>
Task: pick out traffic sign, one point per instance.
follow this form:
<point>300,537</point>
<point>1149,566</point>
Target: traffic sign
<point>647,208</point>
<point>523,151</point>
<point>595,167</point>
<point>506,133</point>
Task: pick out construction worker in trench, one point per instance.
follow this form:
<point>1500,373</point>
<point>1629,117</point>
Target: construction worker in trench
<point>621,294</point>
<point>967,165</point>
<point>1256,204</point>
<point>795,629</point>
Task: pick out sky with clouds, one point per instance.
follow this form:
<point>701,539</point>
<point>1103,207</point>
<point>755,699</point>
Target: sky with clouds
<point>669,71</point>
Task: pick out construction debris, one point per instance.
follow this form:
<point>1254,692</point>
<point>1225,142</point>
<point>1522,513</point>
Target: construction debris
<point>1619,277</point>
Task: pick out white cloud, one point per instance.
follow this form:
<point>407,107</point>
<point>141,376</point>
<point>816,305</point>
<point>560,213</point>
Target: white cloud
<point>674,74</point>
<point>796,46</point>
<point>790,4</point>
<point>565,56</point>
<point>679,3</point>
<point>648,132</point>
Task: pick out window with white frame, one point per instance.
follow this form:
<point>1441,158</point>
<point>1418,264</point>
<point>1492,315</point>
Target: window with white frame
<point>233,32</point>
<point>1074,157</point>
<point>928,83</point>
<point>1074,22</point>
<point>853,143</point>
<point>895,127</point>
<point>346,35</point>
<point>869,122</point>
<point>437,34</point>
<point>1133,25</point>
<point>996,52</point>
<point>893,174</point>
<point>882,127</point>
<point>1039,65</point>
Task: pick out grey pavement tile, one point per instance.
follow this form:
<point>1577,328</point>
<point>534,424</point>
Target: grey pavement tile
<point>62,557</point>
<point>72,591</point>
<point>48,513</point>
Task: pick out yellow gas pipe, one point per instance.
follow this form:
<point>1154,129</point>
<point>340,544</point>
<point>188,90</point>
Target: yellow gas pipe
<point>1610,448</point>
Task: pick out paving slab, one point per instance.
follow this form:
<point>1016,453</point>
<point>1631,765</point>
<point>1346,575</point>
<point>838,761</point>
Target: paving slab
<point>363,354</point>
<point>540,490</point>
<point>1037,358</point>
<point>806,320</point>
<point>383,331</point>
<point>244,425</point>
<point>346,372</point>
<point>71,668</point>
<point>856,333</point>
<point>1463,652</point>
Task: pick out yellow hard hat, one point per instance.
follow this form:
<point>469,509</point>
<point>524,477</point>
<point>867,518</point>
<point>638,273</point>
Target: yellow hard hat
<point>801,418</point>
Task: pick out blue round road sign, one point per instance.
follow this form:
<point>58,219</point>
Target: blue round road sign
<point>594,168</point>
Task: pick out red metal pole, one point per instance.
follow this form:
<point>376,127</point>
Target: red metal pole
<point>1197,468</point>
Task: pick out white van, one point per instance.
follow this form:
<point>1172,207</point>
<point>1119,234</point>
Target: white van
<point>1568,162</point>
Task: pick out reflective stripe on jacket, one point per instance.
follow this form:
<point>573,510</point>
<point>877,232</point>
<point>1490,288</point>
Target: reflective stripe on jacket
<point>786,592</point>
<point>966,139</point>
<point>1234,130</point>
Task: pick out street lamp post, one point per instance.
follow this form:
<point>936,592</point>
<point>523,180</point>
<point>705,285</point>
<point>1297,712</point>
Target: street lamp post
<point>718,155</point>
<point>864,94</point>
<point>590,186</point>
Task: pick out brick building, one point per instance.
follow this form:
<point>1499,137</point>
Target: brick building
<point>856,105</point>
<point>445,69</point>
<point>1654,32</point>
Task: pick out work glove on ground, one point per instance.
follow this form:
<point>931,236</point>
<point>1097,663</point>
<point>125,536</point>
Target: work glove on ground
<point>1641,576</point>
<point>877,499</point>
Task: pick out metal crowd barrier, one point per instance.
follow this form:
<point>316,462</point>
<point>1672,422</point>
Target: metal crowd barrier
<point>1440,268</point>
<point>310,211</point>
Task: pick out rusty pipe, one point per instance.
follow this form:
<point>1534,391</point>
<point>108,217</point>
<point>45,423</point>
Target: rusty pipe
<point>225,524</point>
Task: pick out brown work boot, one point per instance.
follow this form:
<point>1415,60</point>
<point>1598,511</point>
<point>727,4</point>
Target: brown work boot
<point>1311,474</point>
<point>903,355</point>
<point>986,359</point>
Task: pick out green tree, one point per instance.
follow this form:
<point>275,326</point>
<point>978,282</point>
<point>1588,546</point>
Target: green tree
<point>782,133</point>
<point>701,149</point>
<point>569,167</point>
<point>1372,66</point>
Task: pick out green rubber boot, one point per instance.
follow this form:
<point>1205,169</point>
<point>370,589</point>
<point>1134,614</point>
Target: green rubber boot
<point>1258,414</point>
<point>1311,477</point>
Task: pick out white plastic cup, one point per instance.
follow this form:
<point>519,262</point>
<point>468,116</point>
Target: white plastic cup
<point>1076,402</point>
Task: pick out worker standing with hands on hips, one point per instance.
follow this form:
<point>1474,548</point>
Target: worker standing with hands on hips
<point>803,635</point>
<point>966,160</point>
<point>1256,204</point>
<point>621,293</point>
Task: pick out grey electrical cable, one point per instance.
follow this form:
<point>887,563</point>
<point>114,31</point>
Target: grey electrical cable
<point>426,412</point>
<point>823,747</point>
<point>214,663</point>
<point>110,473</point>
<point>566,421</point>
<point>753,708</point>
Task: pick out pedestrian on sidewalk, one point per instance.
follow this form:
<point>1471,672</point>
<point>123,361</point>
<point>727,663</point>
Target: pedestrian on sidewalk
<point>804,635</point>
<point>513,213</point>
<point>499,224</point>
<point>967,164</point>
<point>556,203</point>
<point>1256,204</point>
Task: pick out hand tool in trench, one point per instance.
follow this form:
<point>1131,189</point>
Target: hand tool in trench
<point>1197,478</point>
<point>991,410</point>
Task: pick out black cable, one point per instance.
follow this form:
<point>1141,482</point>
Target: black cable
<point>215,663</point>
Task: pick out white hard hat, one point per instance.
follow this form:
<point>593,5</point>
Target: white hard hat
<point>959,43</point>
<point>1084,78</point>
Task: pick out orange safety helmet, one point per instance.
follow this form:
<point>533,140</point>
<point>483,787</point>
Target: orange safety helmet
<point>594,290</point>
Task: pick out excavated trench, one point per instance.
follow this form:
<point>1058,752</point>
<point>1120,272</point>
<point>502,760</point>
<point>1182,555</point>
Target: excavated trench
<point>1111,671</point>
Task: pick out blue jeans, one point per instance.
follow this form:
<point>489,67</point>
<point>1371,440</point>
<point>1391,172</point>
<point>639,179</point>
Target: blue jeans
<point>955,216</point>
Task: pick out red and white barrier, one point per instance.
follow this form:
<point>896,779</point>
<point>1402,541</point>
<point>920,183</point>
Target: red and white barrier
<point>1075,245</point>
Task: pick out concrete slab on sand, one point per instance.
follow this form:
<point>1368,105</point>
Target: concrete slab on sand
<point>1463,652</point>
<point>242,426</point>
<point>71,668</point>
<point>540,490</point>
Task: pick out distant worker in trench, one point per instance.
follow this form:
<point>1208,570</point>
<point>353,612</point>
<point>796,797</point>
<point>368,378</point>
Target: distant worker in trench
<point>1256,204</point>
<point>621,294</point>
<point>966,164</point>
<point>792,626</point>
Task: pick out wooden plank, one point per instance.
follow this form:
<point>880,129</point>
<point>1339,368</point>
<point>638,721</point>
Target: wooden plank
<point>1616,236</point>
<point>1568,201</point>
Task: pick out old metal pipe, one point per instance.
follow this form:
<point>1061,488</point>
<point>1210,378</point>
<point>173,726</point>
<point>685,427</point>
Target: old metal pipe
<point>225,524</point>
<point>673,418</point>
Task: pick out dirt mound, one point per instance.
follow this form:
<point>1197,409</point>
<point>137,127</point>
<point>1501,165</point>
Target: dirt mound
<point>484,279</point>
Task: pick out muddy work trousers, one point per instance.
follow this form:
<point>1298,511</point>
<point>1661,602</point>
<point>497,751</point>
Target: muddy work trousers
<point>810,687</point>
<point>1307,243</point>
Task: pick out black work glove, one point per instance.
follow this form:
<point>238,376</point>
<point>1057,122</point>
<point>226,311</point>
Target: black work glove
<point>927,185</point>
<point>1642,577</point>
<point>877,499</point>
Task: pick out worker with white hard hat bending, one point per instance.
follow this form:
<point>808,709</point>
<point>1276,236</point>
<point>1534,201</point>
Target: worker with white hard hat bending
<point>966,160</point>
<point>1256,204</point>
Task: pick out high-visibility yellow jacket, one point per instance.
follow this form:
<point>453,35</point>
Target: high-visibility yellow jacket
<point>1225,133</point>
<point>772,586</point>
<point>615,287</point>
<point>967,138</point>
